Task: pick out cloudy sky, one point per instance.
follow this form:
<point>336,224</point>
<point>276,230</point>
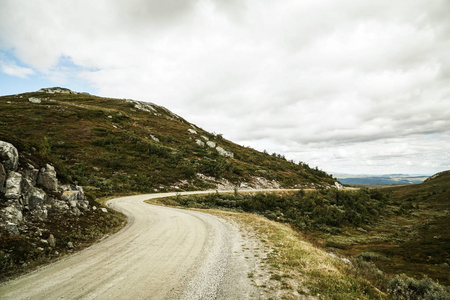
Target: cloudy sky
<point>348,86</point>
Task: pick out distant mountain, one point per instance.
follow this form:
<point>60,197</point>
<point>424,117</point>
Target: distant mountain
<point>389,179</point>
<point>113,146</point>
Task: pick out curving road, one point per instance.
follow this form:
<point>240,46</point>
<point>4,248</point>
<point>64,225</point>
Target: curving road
<point>163,253</point>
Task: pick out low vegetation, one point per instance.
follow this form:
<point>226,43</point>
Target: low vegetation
<point>113,146</point>
<point>397,240</point>
<point>23,253</point>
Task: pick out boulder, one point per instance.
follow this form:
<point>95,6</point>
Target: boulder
<point>211,144</point>
<point>40,212</point>
<point>200,143</point>
<point>224,152</point>
<point>192,131</point>
<point>13,188</point>
<point>60,206</point>
<point>12,228</point>
<point>12,214</point>
<point>9,156</point>
<point>47,178</point>
<point>37,198</point>
<point>34,100</point>
<point>31,173</point>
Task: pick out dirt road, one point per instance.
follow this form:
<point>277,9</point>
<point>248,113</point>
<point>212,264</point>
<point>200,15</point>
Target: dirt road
<point>163,253</point>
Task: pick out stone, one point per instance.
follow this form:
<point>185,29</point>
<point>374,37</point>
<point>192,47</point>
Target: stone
<point>104,210</point>
<point>60,206</point>
<point>73,203</point>
<point>31,173</point>
<point>338,185</point>
<point>12,228</point>
<point>12,214</point>
<point>40,212</point>
<point>13,188</point>
<point>192,131</point>
<point>51,241</point>
<point>224,152</point>
<point>37,198</point>
<point>76,211</point>
<point>211,144</point>
<point>9,157</point>
<point>34,100</point>
<point>200,143</point>
<point>70,245</point>
<point>47,178</point>
<point>3,177</point>
<point>154,138</point>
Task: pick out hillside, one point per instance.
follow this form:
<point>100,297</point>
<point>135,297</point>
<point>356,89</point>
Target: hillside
<point>113,146</point>
<point>412,237</point>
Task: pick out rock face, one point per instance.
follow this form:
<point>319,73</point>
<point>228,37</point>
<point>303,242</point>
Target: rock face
<point>13,188</point>
<point>56,90</point>
<point>23,193</point>
<point>9,157</point>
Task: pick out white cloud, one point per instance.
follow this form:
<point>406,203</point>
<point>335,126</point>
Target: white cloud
<point>11,68</point>
<point>334,82</point>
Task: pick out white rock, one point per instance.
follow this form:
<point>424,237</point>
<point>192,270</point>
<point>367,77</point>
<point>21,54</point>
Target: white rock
<point>154,138</point>
<point>211,144</point>
<point>34,100</point>
<point>104,210</point>
<point>192,131</point>
<point>200,143</point>
<point>224,152</point>
<point>13,187</point>
<point>9,155</point>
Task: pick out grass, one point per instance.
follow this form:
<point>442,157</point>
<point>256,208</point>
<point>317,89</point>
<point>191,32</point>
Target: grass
<point>297,267</point>
<point>108,145</point>
<point>24,253</point>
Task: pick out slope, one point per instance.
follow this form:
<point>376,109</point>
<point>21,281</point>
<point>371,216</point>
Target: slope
<point>114,146</point>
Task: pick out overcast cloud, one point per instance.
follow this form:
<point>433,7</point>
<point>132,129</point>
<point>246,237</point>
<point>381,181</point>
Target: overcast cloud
<point>349,86</point>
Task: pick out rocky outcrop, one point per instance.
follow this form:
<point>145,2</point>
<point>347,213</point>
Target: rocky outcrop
<point>24,193</point>
<point>34,100</point>
<point>57,90</point>
<point>47,178</point>
<point>9,157</point>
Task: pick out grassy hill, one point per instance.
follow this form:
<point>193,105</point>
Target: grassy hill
<point>116,146</point>
<point>412,237</point>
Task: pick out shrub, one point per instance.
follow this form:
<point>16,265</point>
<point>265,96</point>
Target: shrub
<point>407,288</point>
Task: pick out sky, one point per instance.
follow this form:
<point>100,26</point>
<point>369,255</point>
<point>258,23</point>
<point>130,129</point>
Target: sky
<point>359,87</point>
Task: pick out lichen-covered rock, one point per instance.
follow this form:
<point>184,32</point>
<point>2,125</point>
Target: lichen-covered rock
<point>9,156</point>
<point>12,214</point>
<point>60,206</point>
<point>31,173</point>
<point>12,228</point>
<point>13,188</point>
<point>37,198</point>
<point>47,178</point>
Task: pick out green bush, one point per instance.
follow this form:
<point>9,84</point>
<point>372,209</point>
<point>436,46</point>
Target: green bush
<point>407,288</point>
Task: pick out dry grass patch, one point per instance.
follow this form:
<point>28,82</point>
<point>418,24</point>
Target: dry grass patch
<point>302,270</point>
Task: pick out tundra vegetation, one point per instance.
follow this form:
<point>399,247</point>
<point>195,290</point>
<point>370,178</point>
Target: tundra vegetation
<point>395,241</point>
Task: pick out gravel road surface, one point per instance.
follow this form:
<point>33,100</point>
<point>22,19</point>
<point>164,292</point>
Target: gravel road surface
<point>163,253</point>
